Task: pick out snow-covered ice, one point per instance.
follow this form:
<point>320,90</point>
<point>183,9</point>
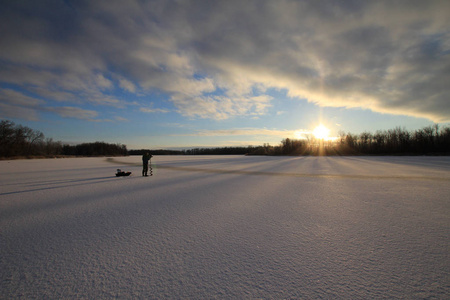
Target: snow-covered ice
<point>226,227</point>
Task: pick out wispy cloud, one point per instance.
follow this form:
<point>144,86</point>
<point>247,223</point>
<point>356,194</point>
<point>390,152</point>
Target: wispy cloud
<point>14,104</point>
<point>121,119</point>
<point>14,111</point>
<point>74,112</point>
<point>216,60</point>
<point>153,110</point>
<point>222,107</point>
<point>127,85</point>
<point>9,96</point>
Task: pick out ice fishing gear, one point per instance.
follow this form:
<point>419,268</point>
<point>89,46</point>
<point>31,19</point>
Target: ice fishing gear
<point>150,167</point>
<point>120,173</point>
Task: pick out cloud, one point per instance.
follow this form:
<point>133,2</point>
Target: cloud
<point>153,110</point>
<point>121,119</point>
<point>216,60</point>
<point>127,85</point>
<point>11,111</point>
<point>221,107</point>
<point>14,104</point>
<point>9,96</point>
<point>74,112</point>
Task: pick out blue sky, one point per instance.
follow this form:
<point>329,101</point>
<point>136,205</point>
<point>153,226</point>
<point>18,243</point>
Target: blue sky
<point>167,74</point>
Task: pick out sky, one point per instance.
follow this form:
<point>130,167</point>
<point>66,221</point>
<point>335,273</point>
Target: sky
<point>169,74</point>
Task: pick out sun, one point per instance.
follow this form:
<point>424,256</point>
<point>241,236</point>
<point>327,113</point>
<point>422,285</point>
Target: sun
<point>321,132</point>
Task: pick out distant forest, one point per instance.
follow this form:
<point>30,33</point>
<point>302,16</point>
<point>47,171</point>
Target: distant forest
<point>22,141</point>
<point>426,141</point>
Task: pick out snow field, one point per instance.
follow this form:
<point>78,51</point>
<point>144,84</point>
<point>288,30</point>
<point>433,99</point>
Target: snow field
<point>226,227</point>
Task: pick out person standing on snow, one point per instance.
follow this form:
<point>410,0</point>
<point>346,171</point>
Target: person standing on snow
<point>145,158</point>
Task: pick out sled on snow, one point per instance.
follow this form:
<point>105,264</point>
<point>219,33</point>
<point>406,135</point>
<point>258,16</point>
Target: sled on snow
<point>122,173</point>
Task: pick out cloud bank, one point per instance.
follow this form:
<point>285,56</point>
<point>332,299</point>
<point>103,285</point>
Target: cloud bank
<point>217,59</point>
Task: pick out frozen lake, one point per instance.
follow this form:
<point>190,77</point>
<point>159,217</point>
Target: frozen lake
<point>226,227</point>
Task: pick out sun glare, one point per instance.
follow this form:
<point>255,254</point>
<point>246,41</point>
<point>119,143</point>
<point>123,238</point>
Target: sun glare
<point>321,132</point>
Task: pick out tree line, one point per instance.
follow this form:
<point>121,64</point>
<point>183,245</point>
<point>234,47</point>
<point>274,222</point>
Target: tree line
<point>155,152</point>
<point>430,140</point>
<point>199,151</point>
<point>22,141</point>
<point>95,149</point>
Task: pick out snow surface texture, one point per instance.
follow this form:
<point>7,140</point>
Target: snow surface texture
<point>226,227</point>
